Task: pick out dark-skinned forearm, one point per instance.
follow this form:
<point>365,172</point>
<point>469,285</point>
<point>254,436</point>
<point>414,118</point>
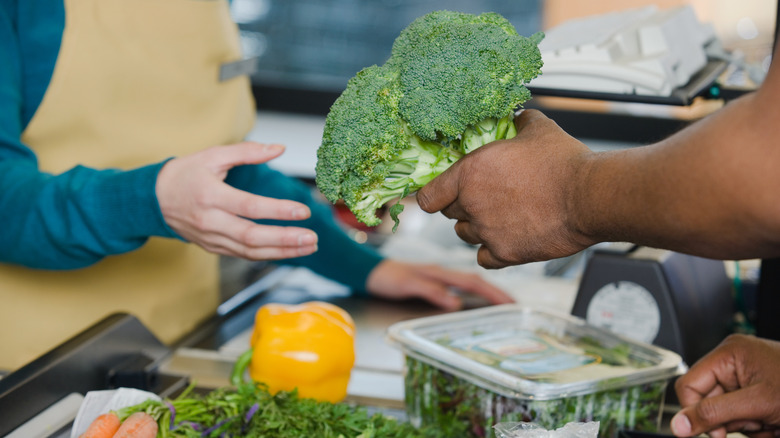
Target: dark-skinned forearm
<point>709,190</point>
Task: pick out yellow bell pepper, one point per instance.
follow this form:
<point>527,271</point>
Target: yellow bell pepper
<point>310,346</point>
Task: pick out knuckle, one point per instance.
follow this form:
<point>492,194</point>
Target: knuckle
<point>734,337</point>
<point>291,238</point>
<point>532,112</point>
<point>204,198</point>
<point>487,259</point>
<point>245,252</point>
<point>462,231</point>
<point>254,254</point>
<point>286,238</point>
<point>502,253</point>
<point>679,384</point>
<point>249,207</point>
<point>248,236</point>
<point>201,222</point>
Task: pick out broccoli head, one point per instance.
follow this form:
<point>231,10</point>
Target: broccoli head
<point>452,84</point>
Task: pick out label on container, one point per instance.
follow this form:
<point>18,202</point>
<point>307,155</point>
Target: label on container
<point>526,353</point>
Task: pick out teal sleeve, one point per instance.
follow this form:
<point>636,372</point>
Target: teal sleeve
<point>339,257</point>
<point>74,219</point>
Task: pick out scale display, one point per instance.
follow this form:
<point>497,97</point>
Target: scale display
<point>673,300</point>
<point>627,308</point>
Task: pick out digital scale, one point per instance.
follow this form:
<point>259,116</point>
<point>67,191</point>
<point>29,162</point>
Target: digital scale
<point>675,301</point>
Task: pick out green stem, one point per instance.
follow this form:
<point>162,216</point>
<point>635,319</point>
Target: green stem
<point>239,369</point>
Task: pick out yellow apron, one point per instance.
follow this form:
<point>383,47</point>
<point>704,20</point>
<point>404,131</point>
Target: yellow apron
<point>135,82</point>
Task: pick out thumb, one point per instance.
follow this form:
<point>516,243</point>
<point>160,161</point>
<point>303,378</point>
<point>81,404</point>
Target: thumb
<point>441,191</point>
<point>712,413</point>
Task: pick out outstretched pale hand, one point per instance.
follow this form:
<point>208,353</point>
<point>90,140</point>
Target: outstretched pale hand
<point>736,387</point>
<point>511,196</point>
<point>395,280</point>
<point>197,203</point>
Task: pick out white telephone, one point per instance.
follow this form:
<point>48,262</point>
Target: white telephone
<point>643,51</point>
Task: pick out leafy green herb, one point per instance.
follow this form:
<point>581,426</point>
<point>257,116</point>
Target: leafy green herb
<point>618,355</point>
<point>436,398</point>
<point>247,409</point>
<point>251,411</point>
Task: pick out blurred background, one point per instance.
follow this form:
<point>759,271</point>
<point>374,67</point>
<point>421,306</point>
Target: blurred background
<point>315,46</point>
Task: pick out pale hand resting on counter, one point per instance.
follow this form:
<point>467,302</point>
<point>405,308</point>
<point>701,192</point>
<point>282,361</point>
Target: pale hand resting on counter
<point>397,280</point>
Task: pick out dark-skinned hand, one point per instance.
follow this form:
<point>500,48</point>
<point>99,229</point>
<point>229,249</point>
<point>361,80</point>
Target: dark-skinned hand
<point>734,388</point>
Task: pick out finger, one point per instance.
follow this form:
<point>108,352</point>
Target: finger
<point>441,191</point>
<point>465,232</point>
<point>471,282</point>
<point>770,432</point>
<point>716,391</point>
<point>225,226</point>
<point>251,241</point>
<point>719,432</point>
<point>773,433</point>
<point>745,426</point>
<point>488,260</point>
<point>229,248</point>
<point>438,294</point>
<point>712,413</point>
<point>229,156</point>
<point>252,235</point>
<point>455,211</point>
<point>703,379</point>
<point>252,206</point>
<point>281,253</point>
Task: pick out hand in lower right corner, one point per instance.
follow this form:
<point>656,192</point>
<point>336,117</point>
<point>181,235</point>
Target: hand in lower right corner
<point>734,388</point>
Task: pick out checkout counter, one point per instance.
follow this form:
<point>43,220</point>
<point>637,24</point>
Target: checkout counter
<point>43,397</point>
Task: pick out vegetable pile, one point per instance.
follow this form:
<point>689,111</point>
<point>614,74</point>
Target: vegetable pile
<point>452,84</point>
<point>249,410</point>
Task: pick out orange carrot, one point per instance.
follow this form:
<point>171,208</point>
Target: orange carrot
<point>104,426</point>
<point>138,425</point>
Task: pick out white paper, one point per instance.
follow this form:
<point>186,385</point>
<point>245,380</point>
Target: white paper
<point>97,403</point>
<point>531,430</point>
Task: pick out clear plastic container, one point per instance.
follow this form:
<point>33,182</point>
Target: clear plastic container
<point>467,371</point>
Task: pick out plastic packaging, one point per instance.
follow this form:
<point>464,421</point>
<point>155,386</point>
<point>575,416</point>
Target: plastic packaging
<point>514,364</point>
<point>588,429</point>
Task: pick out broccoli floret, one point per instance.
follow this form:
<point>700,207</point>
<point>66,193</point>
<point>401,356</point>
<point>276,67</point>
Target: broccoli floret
<point>452,84</point>
<point>369,155</point>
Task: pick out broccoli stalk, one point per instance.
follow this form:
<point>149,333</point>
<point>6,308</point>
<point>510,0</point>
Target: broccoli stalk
<point>486,131</point>
<point>411,169</point>
<point>452,84</point>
